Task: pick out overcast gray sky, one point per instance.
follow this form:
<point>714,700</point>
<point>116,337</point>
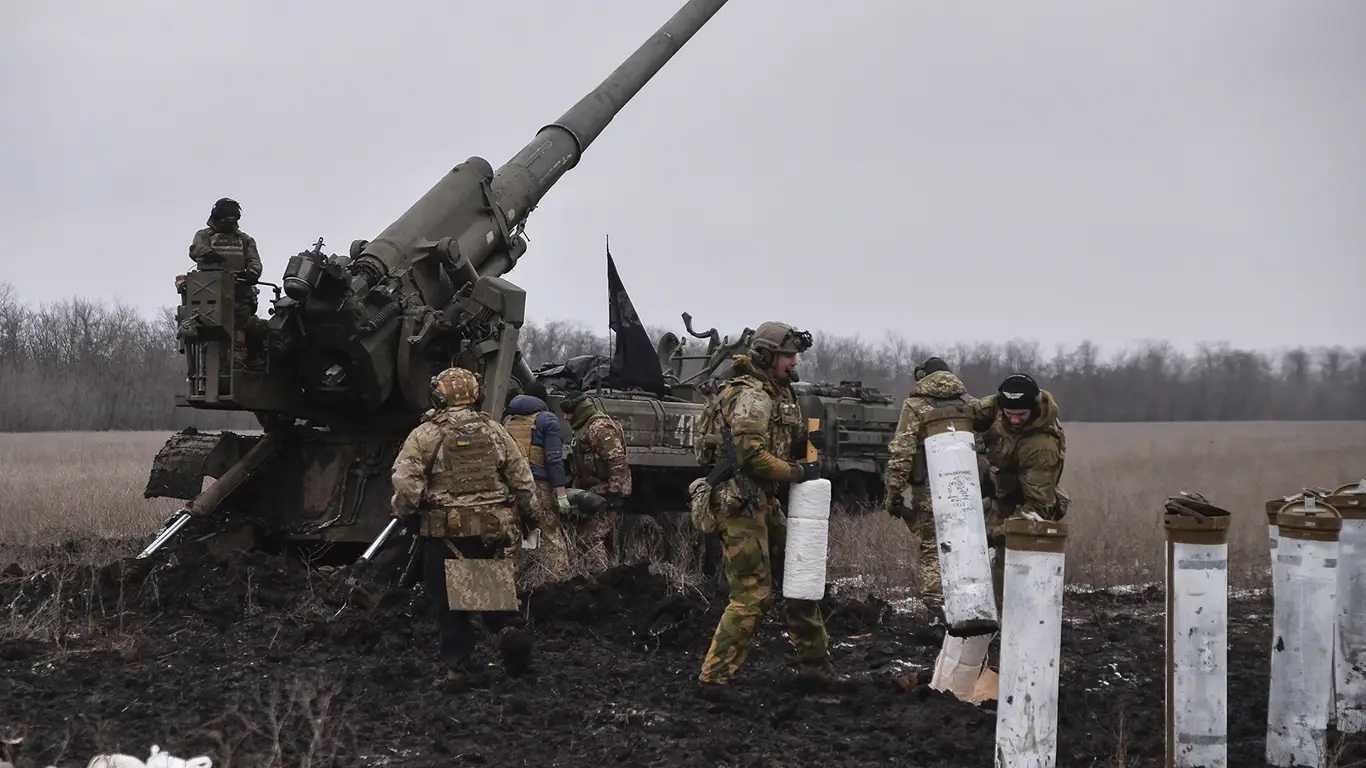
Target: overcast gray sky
<point>951,171</point>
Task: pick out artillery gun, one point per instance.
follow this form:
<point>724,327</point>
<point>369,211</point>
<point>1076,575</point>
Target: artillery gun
<point>352,344</point>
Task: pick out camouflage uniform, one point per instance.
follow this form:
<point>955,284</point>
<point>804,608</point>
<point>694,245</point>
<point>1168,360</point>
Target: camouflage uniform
<point>537,433</point>
<point>766,422</point>
<point>906,470</point>
<point>222,246</point>
<point>1026,462</point>
<point>1026,466</point>
<point>461,473</point>
<point>599,466</point>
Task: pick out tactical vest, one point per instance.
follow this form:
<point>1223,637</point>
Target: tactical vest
<point>786,427</point>
<point>521,427</point>
<point>466,461</point>
<point>232,247</point>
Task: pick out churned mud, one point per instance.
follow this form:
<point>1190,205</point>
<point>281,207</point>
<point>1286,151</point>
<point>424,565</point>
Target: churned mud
<point>244,658</point>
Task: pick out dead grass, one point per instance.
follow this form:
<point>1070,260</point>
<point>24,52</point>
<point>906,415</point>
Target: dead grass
<point>88,486</point>
<point>1119,474</point>
<point>874,548</point>
<point>56,486</point>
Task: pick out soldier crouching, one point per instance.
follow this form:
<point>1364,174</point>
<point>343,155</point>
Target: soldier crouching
<point>601,475</point>
<point>462,476</point>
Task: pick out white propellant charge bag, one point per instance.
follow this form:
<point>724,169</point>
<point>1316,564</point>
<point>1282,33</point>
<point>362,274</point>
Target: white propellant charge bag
<point>808,540</point>
<point>1031,643</point>
<point>1349,669</point>
<point>1303,625</point>
<point>1197,641</point>
<point>959,523</point>
<point>961,669</point>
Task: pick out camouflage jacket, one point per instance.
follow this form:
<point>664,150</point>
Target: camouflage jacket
<point>906,459</point>
<point>599,452</point>
<point>766,423</point>
<point>463,472</point>
<point>1026,463</point>
<point>228,251</point>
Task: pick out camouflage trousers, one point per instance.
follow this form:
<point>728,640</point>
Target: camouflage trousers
<point>591,533</point>
<point>249,330</point>
<point>752,548</point>
<point>549,561</point>
<point>927,558</point>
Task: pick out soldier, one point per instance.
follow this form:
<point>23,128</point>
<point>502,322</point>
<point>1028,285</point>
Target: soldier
<point>222,246</point>
<point>1026,447</point>
<point>760,412</point>
<point>461,475</point>
<point>537,433</point>
<point>600,468</point>
<point>935,387</point>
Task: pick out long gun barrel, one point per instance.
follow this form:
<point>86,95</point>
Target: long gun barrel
<point>480,210</point>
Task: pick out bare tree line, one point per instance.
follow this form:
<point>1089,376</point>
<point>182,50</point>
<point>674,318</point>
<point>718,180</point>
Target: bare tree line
<point>87,365</point>
<point>1151,382</point>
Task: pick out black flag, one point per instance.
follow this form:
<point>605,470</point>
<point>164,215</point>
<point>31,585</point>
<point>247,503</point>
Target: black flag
<point>634,363</point>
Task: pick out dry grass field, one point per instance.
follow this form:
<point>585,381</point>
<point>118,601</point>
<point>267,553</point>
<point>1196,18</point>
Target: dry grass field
<point>60,486</point>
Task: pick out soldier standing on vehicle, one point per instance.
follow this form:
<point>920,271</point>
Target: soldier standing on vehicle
<point>222,246</point>
<point>935,387</point>
<point>469,486</point>
<point>537,432</point>
<point>759,410</point>
<point>599,467</point>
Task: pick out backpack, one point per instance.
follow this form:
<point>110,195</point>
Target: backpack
<point>706,435</point>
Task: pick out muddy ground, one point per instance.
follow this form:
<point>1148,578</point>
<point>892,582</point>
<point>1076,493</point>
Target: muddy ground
<point>241,658</point>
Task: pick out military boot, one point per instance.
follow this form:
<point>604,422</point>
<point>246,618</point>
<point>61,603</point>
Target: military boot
<point>716,693</point>
<point>815,676</point>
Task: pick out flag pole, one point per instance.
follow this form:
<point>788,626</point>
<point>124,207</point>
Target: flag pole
<point>611,343</point>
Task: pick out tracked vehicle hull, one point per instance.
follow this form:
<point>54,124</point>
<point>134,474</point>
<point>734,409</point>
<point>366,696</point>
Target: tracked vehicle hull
<point>321,487</point>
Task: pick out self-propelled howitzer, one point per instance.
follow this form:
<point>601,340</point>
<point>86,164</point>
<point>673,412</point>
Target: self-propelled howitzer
<point>345,361</point>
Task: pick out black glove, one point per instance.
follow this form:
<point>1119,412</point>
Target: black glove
<point>810,471</point>
<point>616,503</point>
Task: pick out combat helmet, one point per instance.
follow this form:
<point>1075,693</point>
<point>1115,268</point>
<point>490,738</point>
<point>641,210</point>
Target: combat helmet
<point>455,387</point>
<point>225,207</point>
<point>774,338</point>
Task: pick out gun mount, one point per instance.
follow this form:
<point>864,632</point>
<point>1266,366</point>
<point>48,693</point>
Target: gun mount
<point>351,346</point>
